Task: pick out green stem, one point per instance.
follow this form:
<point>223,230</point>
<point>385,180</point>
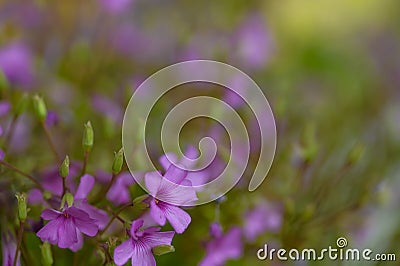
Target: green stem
<point>115,215</point>
<point>19,240</point>
<point>51,142</point>
<point>12,167</point>
<point>85,161</point>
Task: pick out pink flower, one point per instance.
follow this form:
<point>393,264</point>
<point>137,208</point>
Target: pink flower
<point>119,191</point>
<point>139,246</point>
<point>66,227</point>
<point>16,64</point>
<point>222,247</point>
<point>9,246</point>
<point>167,194</point>
<point>264,217</point>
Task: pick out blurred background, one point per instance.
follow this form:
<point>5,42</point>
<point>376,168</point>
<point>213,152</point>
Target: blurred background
<point>330,70</point>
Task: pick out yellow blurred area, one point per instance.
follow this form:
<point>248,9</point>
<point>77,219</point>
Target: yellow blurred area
<point>322,18</point>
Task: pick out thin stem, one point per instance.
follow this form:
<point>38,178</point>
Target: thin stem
<point>115,215</point>
<point>113,178</point>
<point>64,186</point>
<point>51,142</point>
<point>85,161</point>
<point>10,132</point>
<point>20,234</point>
<point>105,190</point>
<point>12,167</point>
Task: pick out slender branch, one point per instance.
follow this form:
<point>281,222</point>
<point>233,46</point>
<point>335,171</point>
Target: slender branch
<point>64,186</point>
<point>85,161</point>
<point>115,215</point>
<point>10,132</point>
<point>51,142</point>
<point>20,234</point>
<point>12,167</point>
<point>109,185</point>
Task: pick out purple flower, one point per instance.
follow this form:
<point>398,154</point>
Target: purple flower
<point>5,107</point>
<point>264,217</point>
<point>16,63</point>
<point>2,154</point>
<point>119,191</point>
<point>167,195</point>
<point>253,42</point>
<point>51,118</point>
<point>9,246</point>
<point>139,246</point>
<point>52,181</point>
<point>66,226</point>
<point>107,107</point>
<point>222,247</point>
<point>115,6</point>
<point>80,201</point>
<point>192,178</point>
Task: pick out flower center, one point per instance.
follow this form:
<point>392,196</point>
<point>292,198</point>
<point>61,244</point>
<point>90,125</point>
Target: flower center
<point>66,215</point>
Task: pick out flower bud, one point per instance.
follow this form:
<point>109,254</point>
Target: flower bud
<point>47,256</point>
<point>67,199</point>
<point>118,161</point>
<point>22,210</point>
<point>40,108</point>
<point>64,168</point>
<point>163,249</point>
<point>88,136</point>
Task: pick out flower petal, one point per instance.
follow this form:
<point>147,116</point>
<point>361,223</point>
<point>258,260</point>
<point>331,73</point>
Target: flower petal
<point>142,256</point>
<point>49,232</point>
<point>100,216</point>
<point>175,174</point>
<point>178,195</point>
<point>82,220</point>
<point>78,245</point>
<point>178,218</point>
<point>155,239</point>
<point>123,252</point>
<point>156,213</point>
<point>85,186</point>
<point>50,214</point>
<point>153,182</point>
<point>136,225</point>
<point>165,163</point>
<point>67,233</point>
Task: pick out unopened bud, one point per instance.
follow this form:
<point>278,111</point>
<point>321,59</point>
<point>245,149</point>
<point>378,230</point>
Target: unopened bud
<point>118,161</point>
<point>40,108</point>
<point>22,210</point>
<point>64,168</point>
<point>88,137</point>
